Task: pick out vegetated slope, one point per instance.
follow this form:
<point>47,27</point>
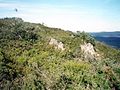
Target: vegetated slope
<point>37,57</point>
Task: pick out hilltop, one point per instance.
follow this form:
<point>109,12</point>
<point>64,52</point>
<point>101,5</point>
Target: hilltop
<point>37,57</point>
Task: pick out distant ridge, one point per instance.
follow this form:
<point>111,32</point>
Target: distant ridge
<point>110,38</point>
<point>106,34</point>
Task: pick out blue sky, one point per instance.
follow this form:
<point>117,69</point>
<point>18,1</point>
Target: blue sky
<point>74,15</point>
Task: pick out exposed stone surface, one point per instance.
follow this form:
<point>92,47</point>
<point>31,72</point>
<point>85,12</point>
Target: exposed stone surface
<point>88,51</point>
<point>58,45</point>
<point>53,41</point>
<point>88,48</point>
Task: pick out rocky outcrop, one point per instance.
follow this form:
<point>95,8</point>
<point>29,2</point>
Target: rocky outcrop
<point>57,45</point>
<point>88,51</point>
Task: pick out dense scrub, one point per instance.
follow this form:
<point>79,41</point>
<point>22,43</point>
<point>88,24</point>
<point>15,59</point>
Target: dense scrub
<point>28,62</point>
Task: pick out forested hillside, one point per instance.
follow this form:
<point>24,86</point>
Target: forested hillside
<point>37,57</point>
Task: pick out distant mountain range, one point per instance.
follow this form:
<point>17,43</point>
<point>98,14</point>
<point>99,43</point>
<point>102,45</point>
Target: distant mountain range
<point>110,38</point>
<point>106,34</point>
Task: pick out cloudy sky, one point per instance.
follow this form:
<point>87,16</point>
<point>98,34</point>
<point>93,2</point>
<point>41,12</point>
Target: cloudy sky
<point>74,15</point>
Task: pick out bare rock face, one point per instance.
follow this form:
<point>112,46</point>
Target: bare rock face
<point>88,48</point>
<point>53,41</point>
<point>57,45</point>
<point>88,51</point>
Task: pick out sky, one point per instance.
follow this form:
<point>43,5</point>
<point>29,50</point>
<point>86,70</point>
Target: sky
<point>73,15</point>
